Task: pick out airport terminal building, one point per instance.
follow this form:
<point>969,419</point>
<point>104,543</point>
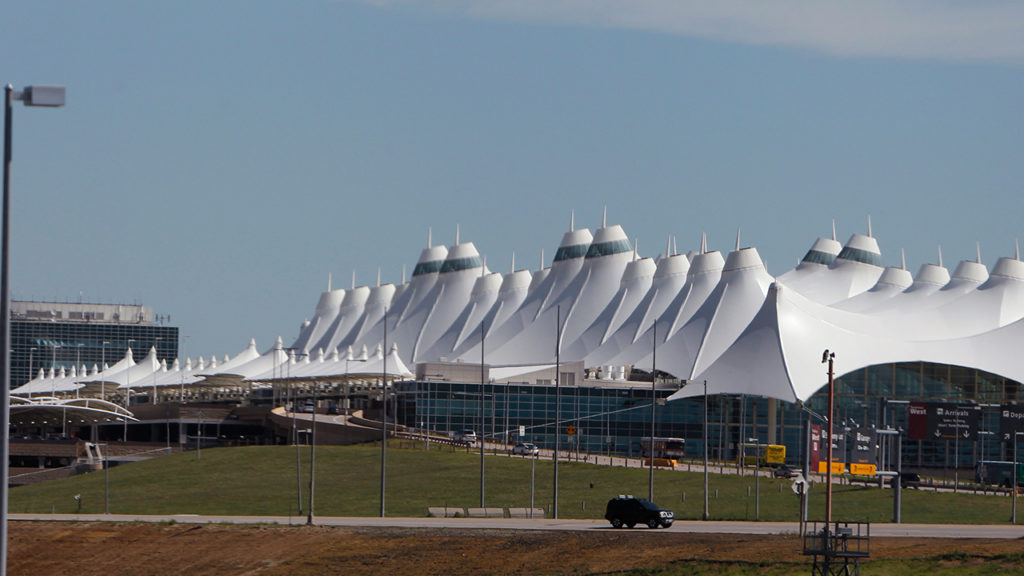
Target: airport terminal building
<point>566,353</point>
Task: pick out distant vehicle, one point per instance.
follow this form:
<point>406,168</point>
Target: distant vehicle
<point>525,449</point>
<point>630,511</point>
<point>766,454</point>
<point>467,436</point>
<point>907,480</point>
<point>667,448</point>
<point>786,471</point>
<point>998,473</point>
<point>308,408</point>
<point>333,409</point>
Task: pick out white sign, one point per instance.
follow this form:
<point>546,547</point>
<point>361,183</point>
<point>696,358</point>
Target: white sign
<point>800,485</point>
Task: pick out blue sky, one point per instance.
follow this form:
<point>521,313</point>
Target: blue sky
<point>218,160</point>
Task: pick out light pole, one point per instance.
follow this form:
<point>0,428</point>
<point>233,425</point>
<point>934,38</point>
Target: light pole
<point>127,388</point>
<point>103,367</point>
<point>558,370</point>
<point>156,348</point>
<point>654,406</point>
<point>533,478</point>
<point>483,436</point>
<point>30,351</point>
<point>312,459</point>
<point>705,516</point>
<point>897,486</point>
<point>53,357</point>
<point>384,420</point>
<point>49,96</point>
<point>106,480</point>
<point>757,477</point>
<point>181,369</point>
<point>1013,484</point>
<point>829,357</point>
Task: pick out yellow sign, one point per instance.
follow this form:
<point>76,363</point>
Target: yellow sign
<point>837,467</point>
<point>570,430</point>
<point>775,454</point>
<point>863,469</point>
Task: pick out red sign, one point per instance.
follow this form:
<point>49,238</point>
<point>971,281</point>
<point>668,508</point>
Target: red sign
<point>815,445</point>
<point>917,425</point>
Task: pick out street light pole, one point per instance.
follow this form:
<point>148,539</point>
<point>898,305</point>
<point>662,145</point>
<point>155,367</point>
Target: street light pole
<point>483,435</point>
<point>103,367</point>
<point>757,478</point>
<point>30,351</point>
<point>1013,485</point>
<point>50,96</point>
<point>156,348</point>
<point>128,388</point>
<point>654,406</point>
<point>705,516</point>
<point>384,420</point>
<point>830,358</point>
<point>558,370</point>
<point>312,459</point>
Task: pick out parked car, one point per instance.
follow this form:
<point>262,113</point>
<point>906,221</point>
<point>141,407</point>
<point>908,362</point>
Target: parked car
<point>526,449</point>
<point>308,408</point>
<point>467,436</point>
<point>785,471</point>
<point>630,511</point>
<point>907,480</point>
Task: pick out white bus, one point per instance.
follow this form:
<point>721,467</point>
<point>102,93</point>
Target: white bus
<point>669,448</point>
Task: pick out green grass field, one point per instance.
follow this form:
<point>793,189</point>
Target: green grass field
<point>262,480</point>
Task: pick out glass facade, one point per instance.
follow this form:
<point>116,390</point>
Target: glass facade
<point>858,255</point>
<point>604,420</point>
<point>36,345</point>
<point>612,419</point>
<point>877,396</point>
<point>427,267</point>
<point>608,248</point>
<point>819,257</point>
<point>570,252</point>
<point>456,264</point>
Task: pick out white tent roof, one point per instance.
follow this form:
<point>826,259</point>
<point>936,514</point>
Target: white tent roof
<point>326,312</point>
<point>126,373</point>
<point>725,320</point>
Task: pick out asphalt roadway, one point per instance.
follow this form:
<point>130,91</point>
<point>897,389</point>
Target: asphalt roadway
<point>886,530</point>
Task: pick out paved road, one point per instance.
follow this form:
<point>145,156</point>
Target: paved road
<point>878,530</point>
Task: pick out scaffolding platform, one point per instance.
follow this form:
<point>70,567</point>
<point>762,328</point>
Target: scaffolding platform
<point>837,547</point>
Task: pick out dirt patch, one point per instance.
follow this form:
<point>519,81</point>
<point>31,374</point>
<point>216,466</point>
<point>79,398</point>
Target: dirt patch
<point>96,548</point>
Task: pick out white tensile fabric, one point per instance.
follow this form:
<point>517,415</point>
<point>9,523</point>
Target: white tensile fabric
<point>704,317</point>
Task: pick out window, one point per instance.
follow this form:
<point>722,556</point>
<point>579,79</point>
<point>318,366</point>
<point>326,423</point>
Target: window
<point>570,252</point>
<point>819,257</point>
<point>457,264</point>
<point>608,248</point>
<point>427,267</point>
<point>858,255</point>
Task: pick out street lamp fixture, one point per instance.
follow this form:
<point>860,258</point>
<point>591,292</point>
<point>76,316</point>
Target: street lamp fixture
<point>49,96</point>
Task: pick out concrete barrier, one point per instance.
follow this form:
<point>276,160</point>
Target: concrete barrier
<point>445,511</point>
<point>485,512</point>
<point>525,513</point>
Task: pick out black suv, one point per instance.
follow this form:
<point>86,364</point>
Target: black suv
<point>632,511</point>
<point>907,480</point>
